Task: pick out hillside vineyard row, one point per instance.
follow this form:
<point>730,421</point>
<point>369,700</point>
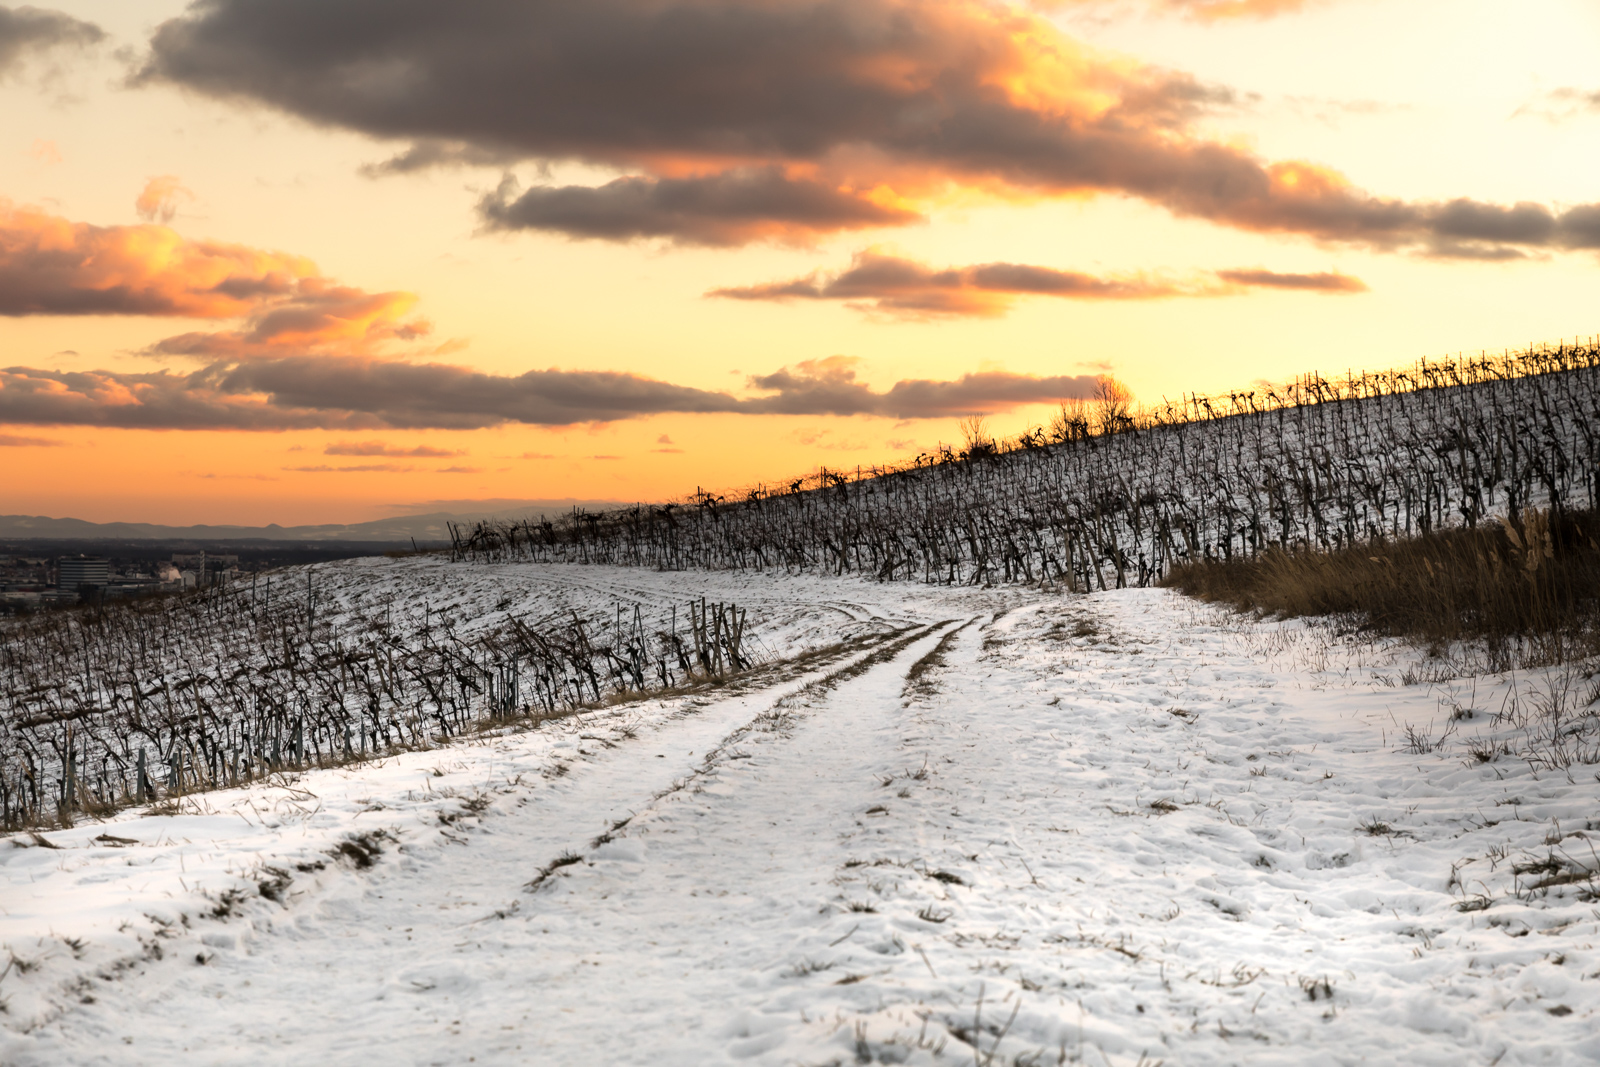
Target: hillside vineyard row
<point>149,700</point>
<point>1317,463</point>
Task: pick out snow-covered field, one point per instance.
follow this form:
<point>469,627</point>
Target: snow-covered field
<point>989,826</point>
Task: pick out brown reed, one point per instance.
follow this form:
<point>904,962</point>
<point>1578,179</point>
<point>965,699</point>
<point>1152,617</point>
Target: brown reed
<point>1527,589</point>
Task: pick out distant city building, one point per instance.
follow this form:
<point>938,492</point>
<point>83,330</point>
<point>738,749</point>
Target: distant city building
<point>78,572</point>
<point>203,569</point>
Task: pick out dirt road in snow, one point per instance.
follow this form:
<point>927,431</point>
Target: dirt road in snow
<point>1103,829</point>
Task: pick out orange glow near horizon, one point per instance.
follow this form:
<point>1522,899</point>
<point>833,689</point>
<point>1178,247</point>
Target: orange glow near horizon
<point>219,312</point>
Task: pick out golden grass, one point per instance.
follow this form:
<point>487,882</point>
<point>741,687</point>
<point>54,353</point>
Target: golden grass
<point>1527,589</point>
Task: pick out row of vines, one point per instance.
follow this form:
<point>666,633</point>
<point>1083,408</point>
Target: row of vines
<point>140,701</point>
<point>1095,504</point>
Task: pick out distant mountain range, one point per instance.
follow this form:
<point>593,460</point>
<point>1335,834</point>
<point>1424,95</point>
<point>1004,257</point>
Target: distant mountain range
<point>429,528</point>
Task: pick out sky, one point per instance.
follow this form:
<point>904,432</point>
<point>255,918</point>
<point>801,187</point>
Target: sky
<point>305,261</point>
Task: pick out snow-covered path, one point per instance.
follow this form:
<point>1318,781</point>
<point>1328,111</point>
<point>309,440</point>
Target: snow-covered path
<point>1105,829</point>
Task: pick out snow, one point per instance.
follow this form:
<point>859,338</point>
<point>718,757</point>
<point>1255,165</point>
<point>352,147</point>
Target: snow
<point>1111,829</point>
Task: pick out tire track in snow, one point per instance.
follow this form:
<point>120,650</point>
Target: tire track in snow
<point>714,885</point>
<point>416,945</point>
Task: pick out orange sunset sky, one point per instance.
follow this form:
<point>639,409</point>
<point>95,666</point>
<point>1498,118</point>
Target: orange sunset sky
<point>306,261</point>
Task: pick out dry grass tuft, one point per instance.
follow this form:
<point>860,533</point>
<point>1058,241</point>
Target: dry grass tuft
<point>1527,589</point>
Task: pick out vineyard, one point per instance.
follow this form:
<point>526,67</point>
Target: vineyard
<point>140,701</point>
<point>1106,498</point>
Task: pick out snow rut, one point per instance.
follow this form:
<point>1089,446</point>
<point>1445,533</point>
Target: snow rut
<point>440,932</point>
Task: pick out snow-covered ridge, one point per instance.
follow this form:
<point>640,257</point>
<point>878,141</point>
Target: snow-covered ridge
<point>327,664</point>
<point>1013,827</point>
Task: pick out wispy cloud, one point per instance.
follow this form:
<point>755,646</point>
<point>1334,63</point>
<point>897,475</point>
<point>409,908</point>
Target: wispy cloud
<point>1320,282</point>
<point>159,200</point>
<point>1561,105</point>
<point>881,282</point>
<point>829,386</point>
<point>379,448</point>
<point>45,152</point>
<point>30,31</point>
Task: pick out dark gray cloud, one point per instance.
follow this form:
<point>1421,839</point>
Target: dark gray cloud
<point>434,395</point>
<point>327,393</point>
<point>829,386</point>
<point>1580,227</point>
<point>1046,281</point>
<point>879,282</point>
<point>763,119</point>
<point>155,401</point>
<point>26,31</point>
<point>426,155</point>
<point>1467,229</point>
<point>721,209</point>
<point>1468,220</point>
<point>366,394</point>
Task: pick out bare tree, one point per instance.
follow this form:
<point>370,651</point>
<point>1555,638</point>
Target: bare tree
<point>975,432</point>
<point>1113,405</point>
<point>1071,422</point>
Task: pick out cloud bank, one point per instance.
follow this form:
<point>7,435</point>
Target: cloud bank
<point>303,392</point>
<point>739,120</point>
